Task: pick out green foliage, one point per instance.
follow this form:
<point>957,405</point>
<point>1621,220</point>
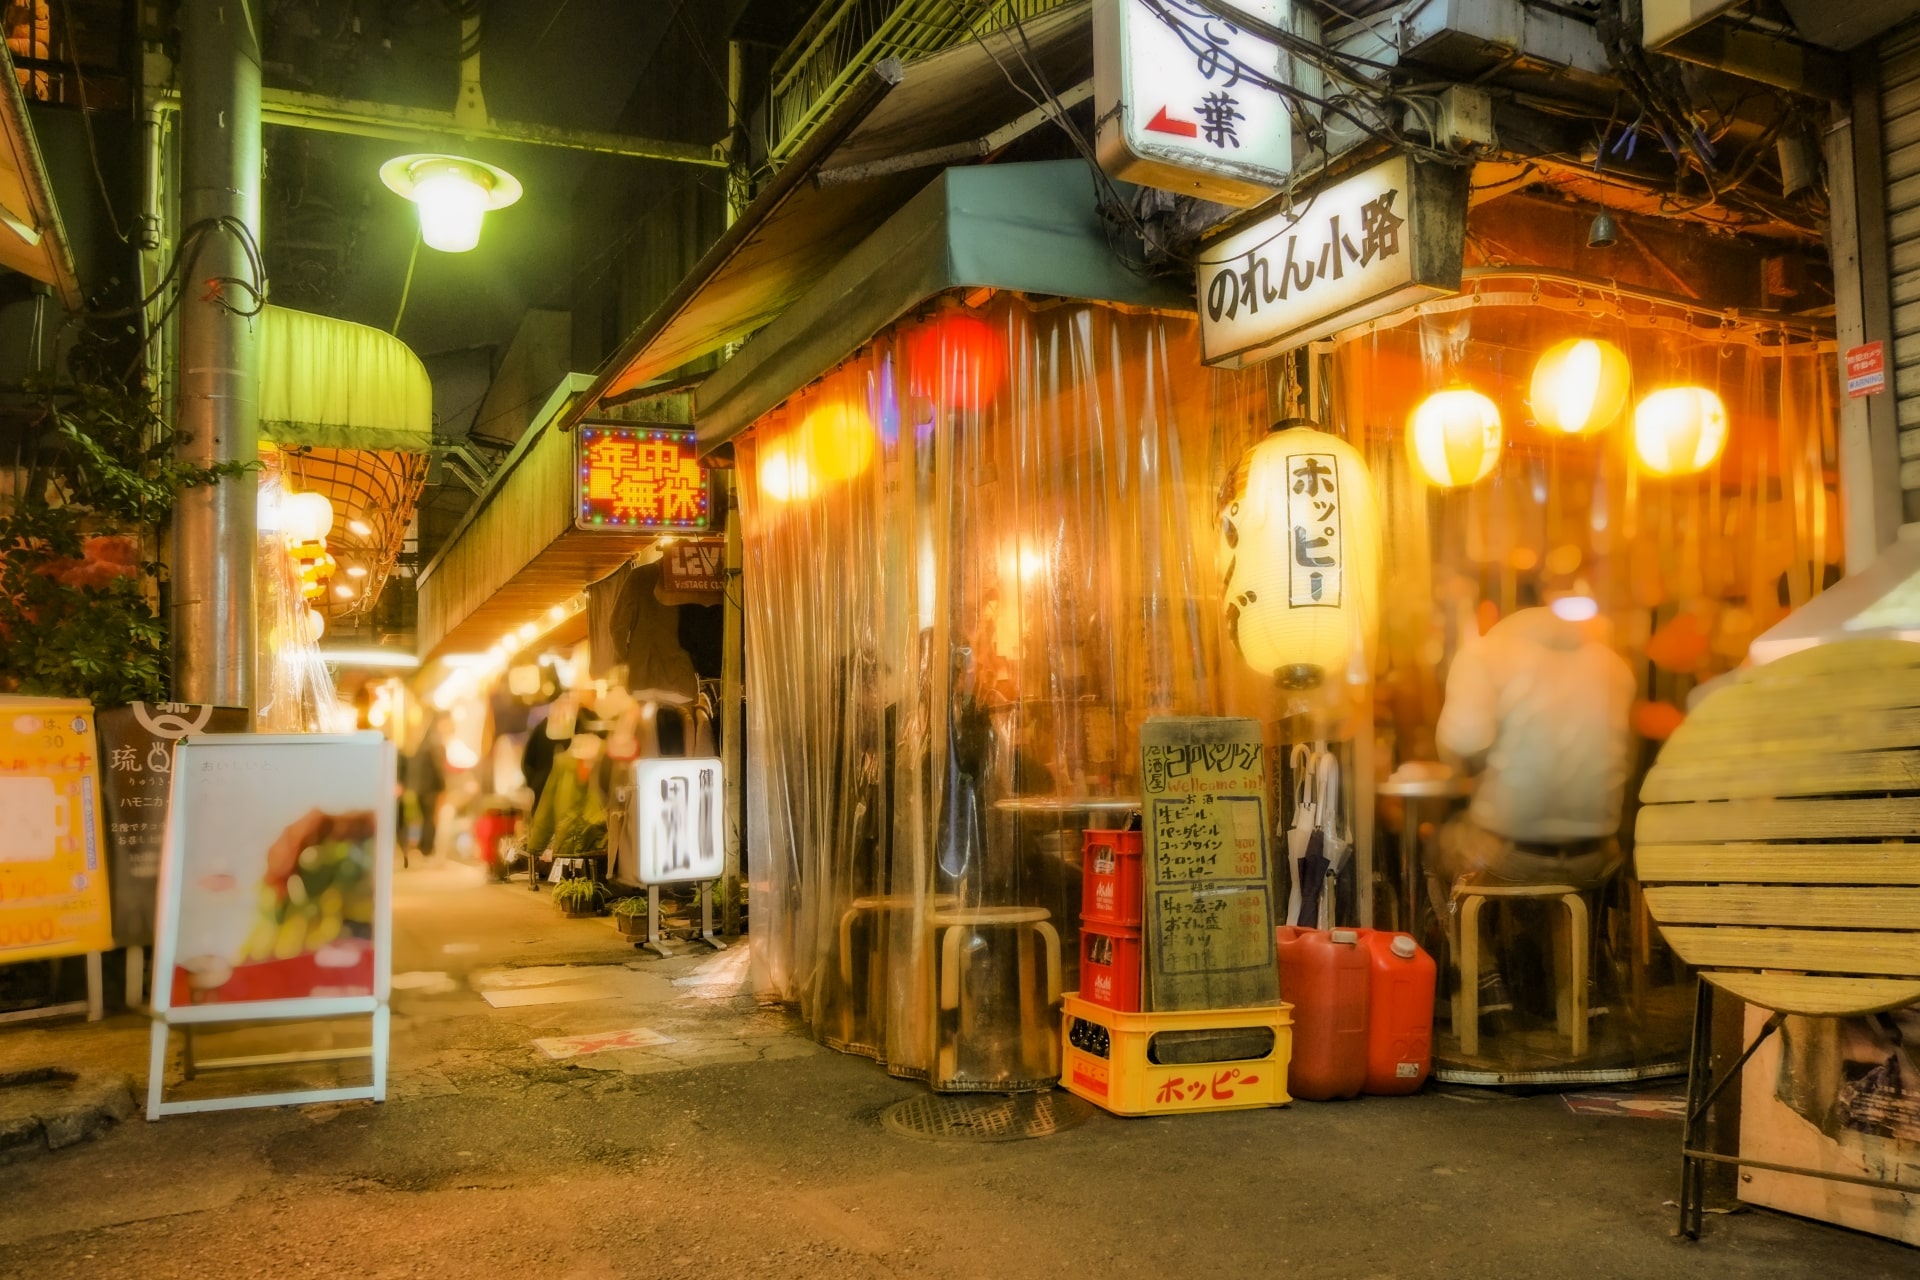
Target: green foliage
<point>632,905</point>
<point>579,896</point>
<point>79,589</point>
<point>576,837</point>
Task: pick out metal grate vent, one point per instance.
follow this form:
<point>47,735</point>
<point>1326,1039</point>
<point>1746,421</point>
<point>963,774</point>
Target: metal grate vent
<point>990,1117</point>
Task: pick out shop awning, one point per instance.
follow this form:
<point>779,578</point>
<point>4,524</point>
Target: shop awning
<point>332,384</point>
<point>32,239</point>
<point>846,181</point>
<point>1030,228</point>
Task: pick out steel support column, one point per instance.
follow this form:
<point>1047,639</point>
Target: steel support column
<point>219,372</point>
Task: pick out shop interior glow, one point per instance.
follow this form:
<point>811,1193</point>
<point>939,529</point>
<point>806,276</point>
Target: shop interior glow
<point>1679,431</point>
<point>641,479</point>
<point>453,195</point>
<point>1299,555</point>
<point>370,659</point>
<point>1580,386</point>
<point>469,671</point>
<point>1454,437</point>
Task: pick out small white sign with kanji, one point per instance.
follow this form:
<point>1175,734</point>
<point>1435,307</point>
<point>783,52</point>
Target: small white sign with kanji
<point>1188,101</point>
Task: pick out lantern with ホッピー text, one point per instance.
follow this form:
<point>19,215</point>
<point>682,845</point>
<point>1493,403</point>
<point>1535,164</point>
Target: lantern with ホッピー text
<point>1300,558</point>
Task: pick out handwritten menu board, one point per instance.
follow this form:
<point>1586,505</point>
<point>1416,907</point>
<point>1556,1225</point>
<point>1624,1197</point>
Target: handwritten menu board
<point>1209,932</point>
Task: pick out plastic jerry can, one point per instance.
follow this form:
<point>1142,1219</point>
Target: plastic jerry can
<point>1324,975</point>
<point>1400,1012</point>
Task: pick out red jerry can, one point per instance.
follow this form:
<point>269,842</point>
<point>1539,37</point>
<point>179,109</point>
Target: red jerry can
<point>1400,1012</point>
<point>1324,975</point>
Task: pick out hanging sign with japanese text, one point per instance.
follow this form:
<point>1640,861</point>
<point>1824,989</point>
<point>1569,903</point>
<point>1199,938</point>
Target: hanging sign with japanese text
<point>1189,102</point>
<point>1369,245</point>
<point>137,743</point>
<point>1209,930</point>
<point>53,878</point>
<point>641,480</point>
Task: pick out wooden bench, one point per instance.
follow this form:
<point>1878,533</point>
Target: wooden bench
<point>1779,848</point>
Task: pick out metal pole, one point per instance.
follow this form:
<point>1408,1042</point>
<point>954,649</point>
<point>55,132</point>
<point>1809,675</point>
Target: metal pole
<point>219,420</point>
<point>733,745</point>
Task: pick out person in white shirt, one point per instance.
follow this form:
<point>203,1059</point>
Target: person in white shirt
<point>1540,709</point>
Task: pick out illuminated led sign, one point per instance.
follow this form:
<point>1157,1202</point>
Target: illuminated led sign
<point>641,480</point>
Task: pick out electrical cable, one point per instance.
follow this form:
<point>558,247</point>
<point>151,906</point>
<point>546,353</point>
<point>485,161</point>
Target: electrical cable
<point>121,233</point>
<point>406,287</point>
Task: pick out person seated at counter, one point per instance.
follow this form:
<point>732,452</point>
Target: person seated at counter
<point>1538,708</point>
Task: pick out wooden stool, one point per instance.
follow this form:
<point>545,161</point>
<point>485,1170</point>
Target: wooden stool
<point>946,926</point>
<point>878,966</point>
<point>1570,937</point>
<point>1779,845</point>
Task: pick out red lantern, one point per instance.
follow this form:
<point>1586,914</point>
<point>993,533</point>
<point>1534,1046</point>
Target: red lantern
<point>956,360</point>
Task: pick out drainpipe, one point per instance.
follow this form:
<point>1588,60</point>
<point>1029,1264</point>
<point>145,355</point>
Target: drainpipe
<point>219,372</point>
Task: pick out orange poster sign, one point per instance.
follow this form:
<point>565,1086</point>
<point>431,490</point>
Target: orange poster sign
<point>641,479</point>
<point>53,875</point>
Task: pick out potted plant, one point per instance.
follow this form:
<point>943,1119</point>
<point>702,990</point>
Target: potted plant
<point>630,915</point>
<point>579,897</point>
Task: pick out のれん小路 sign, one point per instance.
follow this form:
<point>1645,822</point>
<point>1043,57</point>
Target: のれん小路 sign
<point>1380,240</point>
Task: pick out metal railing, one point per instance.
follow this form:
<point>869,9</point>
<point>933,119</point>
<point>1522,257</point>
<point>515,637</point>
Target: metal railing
<point>845,37</point>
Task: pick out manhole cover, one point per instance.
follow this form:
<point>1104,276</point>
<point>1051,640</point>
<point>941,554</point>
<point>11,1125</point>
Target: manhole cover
<point>988,1117</point>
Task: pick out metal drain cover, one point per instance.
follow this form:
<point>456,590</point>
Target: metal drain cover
<point>985,1117</point>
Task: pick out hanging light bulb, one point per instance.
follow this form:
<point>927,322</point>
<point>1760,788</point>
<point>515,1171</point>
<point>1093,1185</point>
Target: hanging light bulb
<point>1580,385</point>
<point>1300,557</point>
<point>453,195</point>
<point>1454,437</point>
<point>306,517</point>
<point>1678,431</point>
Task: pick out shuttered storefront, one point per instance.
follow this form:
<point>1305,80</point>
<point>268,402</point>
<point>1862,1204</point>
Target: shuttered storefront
<point>1900,135</point>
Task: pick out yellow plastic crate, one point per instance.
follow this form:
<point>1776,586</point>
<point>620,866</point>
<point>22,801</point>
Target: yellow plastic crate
<point>1127,1083</point>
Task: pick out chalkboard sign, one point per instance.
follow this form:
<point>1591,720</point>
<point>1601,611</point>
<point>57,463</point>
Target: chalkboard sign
<point>1209,935</point>
<point>137,743</point>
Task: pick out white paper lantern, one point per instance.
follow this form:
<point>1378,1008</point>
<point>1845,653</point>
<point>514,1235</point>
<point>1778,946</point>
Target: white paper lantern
<point>1300,559</point>
<point>306,517</point>
<point>1678,431</point>
<point>1454,437</point>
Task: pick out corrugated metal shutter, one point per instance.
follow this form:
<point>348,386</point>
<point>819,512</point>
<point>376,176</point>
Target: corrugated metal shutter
<point>1900,133</point>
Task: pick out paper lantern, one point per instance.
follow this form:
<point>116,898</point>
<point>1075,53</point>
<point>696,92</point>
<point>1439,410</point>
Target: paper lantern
<point>957,360</point>
<point>1678,431</point>
<point>836,440</point>
<point>316,625</point>
<point>1300,558</point>
<point>306,517</point>
<point>1580,386</point>
<point>782,472</point>
<point>1454,437</point>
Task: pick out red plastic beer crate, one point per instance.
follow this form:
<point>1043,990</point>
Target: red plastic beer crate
<point>1110,965</point>
<point>1110,877</point>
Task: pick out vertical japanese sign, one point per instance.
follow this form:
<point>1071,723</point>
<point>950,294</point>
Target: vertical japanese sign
<point>1209,936</point>
<point>53,880</point>
<point>641,479</point>
<point>1190,102</point>
<point>1313,515</point>
<point>677,816</point>
<point>137,744</point>
<point>1367,246</point>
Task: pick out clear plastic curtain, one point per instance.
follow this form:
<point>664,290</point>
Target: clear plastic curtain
<point>1685,570</point>
<point>978,555</point>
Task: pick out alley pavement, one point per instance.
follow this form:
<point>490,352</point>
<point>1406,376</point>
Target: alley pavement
<point>562,1106</point>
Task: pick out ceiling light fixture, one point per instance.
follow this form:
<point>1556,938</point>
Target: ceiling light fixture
<point>454,194</point>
